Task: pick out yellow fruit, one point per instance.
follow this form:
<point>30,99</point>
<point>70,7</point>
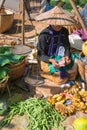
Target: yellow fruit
<point>84,48</point>
<point>80,123</point>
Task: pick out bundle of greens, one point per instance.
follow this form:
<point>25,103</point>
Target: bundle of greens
<point>41,114</point>
<point>6,58</point>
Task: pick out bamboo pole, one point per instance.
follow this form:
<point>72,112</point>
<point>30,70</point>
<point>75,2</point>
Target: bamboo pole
<point>2,4</point>
<point>79,16</point>
<point>23,21</point>
<point>27,7</point>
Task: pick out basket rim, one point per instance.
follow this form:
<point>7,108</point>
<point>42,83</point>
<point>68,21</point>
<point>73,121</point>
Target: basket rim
<point>12,12</point>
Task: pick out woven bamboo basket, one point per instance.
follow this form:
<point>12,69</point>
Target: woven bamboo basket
<point>17,70</point>
<point>6,19</point>
<point>82,69</point>
<point>73,27</point>
<point>3,84</point>
<point>55,77</point>
<point>86,73</point>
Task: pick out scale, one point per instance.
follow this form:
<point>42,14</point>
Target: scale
<point>22,49</point>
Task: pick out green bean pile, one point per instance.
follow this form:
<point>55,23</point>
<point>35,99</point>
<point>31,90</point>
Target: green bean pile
<point>41,114</point>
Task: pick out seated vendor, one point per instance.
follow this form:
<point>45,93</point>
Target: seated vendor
<point>54,49</point>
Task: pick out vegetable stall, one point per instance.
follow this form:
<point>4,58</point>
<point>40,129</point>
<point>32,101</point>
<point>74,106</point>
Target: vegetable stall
<point>42,113</point>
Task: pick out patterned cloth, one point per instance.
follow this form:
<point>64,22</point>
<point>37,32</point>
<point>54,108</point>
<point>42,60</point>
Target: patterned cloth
<point>65,68</point>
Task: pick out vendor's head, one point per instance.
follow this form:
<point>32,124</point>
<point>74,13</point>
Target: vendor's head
<point>56,27</point>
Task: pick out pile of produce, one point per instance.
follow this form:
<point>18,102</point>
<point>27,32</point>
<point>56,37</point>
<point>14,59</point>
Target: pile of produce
<point>79,101</point>
<point>71,100</point>
<point>41,114</point>
<point>59,102</point>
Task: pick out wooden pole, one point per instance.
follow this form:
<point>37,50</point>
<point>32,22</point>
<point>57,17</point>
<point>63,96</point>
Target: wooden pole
<point>2,4</point>
<point>23,21</point>
<point>27,7</point>
<point>79,16</point>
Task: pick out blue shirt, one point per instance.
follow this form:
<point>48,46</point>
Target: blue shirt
<point>83,13</point>
<point>48,7</point>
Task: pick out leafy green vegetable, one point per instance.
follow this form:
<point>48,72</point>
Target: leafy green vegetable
<point>4,49</point>
<point>15,58</point>
<point>4,61</point>
<point>9,59</point>
<point>6,57</point>
<point>3,72</point>
<point>41,114</point>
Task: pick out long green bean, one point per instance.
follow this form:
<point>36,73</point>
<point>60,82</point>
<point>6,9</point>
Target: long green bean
<point>41,114</point>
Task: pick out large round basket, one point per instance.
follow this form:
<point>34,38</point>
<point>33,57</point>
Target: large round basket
<point>3,84</point>
<point>17,70</point>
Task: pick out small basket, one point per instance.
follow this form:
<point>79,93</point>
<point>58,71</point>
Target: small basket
<point>3,84</point>
<point>6,19</point>
<point>17,70</point>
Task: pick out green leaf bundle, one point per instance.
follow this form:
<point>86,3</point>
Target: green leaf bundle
<point>6,58</point>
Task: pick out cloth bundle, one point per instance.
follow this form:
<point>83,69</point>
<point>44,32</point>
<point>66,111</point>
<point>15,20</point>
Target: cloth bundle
<point>63,70</point>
